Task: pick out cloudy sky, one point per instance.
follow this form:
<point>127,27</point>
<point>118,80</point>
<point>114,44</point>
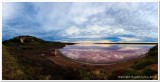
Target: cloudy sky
<point>82,22</point>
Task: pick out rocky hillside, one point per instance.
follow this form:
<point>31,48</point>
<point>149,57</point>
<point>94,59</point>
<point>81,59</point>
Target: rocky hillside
<point>32,42</point>
<point>24,39</point>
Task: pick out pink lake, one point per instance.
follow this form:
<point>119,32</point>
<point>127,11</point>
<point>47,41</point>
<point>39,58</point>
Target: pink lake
<point>104,53</point>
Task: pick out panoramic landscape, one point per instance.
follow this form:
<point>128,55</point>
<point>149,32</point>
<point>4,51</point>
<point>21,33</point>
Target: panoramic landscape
<point>80,41</point>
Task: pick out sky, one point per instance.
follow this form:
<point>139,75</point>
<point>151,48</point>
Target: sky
<point>81,22</point>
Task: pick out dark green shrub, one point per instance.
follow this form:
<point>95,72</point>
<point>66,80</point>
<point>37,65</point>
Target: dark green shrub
<point>131,72</point>
<point>141,64</point>
<point>85,74</point>
<point>114,75</point>
<point>153,53</point>
<point>149,72</point>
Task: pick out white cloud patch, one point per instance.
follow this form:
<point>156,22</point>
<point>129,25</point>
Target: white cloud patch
<point>10,10</point>
<point>126,39</point>
<point>72,31</point>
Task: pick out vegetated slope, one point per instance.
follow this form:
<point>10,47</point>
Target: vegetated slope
<point>24,39</point>
<point>15,67</point>
<point>10,68</point>
<point>144,69</point>
<point>31,42</point>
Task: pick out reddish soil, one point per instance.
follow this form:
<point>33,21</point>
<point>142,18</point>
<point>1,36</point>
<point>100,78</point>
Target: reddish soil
<point>155,67</point>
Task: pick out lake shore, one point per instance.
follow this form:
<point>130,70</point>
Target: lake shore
<point>60,59</point>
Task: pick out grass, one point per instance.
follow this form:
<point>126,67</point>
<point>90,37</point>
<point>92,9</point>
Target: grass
<point>142,64</point>
<point>18,68</point>
<point>86,74</point>
<point>10,67</point>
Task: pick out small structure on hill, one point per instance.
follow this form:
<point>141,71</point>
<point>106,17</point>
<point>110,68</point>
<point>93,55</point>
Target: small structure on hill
<point>22,40</point>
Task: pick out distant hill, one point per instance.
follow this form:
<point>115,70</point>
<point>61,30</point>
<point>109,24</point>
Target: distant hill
<point>32,42</point>
<point>29,39</point>
<point>24,39</point>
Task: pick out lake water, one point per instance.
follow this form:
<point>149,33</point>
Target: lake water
<point>104,53</point>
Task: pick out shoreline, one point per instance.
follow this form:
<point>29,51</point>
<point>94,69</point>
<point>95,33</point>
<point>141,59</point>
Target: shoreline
<point>62,60</point>
<point>88,63</point>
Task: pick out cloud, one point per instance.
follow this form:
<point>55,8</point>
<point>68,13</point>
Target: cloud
<point>10,10</point>
<point>72,31</point>
<point>126,39</point>
<point>95,41</point>
<point>67,21</point>
<point>93,31</point>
